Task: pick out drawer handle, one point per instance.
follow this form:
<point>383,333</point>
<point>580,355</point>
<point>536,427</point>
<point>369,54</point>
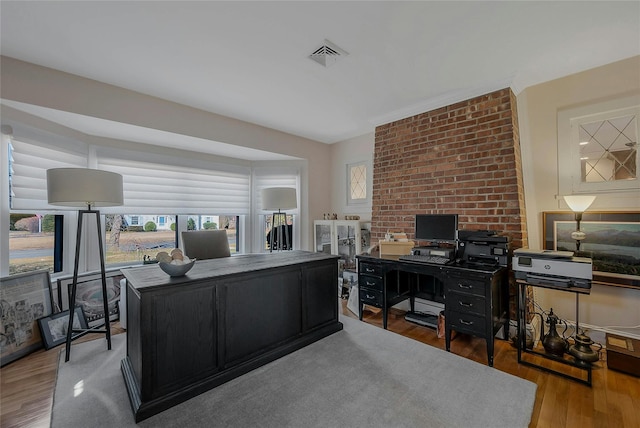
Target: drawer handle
<point>466,322</point>
<point>461,285</point>
<point>369,297</point>
<point>370,283</point>
<point>369,270</point>
<point>466,305</point>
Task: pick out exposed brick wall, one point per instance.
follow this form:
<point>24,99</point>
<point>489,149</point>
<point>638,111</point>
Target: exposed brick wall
<point>463,159</point>
<point>460,159</point>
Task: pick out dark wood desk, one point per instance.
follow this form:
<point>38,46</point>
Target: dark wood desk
<point>476,299</point>
<point>225,318</point>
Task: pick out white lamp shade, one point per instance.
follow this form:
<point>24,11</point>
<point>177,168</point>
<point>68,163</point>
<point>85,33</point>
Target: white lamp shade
<point>579,203</point>
<point>278,198</point>
<point>81,187</point>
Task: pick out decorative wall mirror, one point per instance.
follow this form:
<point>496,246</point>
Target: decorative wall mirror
<point>608,149</point>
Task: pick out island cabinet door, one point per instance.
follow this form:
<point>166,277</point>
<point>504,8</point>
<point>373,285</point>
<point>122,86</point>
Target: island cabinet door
<point>320,305</point>
<point>260,311</point>
<point>181,337</point>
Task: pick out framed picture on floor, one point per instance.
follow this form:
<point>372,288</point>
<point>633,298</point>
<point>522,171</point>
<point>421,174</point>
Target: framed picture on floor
<point>23,299</point>
<point>89,295</point>
<point>54,327</point>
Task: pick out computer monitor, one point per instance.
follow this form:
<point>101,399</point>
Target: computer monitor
<point>437,228</point>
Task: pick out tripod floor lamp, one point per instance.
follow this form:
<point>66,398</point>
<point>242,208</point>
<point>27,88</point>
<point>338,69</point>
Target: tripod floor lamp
<point>80,187</point>
<point>279,198</point>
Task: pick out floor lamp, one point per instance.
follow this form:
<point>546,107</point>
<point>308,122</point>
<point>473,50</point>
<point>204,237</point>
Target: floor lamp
<point>279,198</point>
<point>80,187</point>
<point>578,204</point>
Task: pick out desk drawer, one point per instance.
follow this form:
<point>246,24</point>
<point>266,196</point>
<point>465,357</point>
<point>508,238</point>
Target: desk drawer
<point>370,269</point>
<point>372,282</point>
<point>464,285</point>
<point>371,297</point>
<point>464,302</point>
<point>465,322</point>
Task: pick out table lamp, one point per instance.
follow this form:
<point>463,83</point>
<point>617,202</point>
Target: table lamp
<point>80,187</point>
<point>578,204</point>
<point>279,198</point>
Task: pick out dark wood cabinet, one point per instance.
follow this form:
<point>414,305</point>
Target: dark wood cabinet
<point>378,285</point>
<point>476,300</point>
<point>476,303</point>
<point>224,318</point>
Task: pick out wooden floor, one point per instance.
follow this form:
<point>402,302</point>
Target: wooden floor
<point>27,385</point>
<point>612,401</point>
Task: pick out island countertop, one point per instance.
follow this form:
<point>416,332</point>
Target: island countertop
<point>147,276</point>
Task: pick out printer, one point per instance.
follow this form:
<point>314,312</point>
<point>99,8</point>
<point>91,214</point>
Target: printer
<point>556,268</point>
<point>483,247</point>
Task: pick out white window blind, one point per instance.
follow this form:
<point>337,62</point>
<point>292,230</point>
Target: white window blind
<point>275,177</point>
<point>178,186</point>
<point>29,164</point>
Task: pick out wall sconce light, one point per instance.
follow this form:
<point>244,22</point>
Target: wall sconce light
<point>578,204</point>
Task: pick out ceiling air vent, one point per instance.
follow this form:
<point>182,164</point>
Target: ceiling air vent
<point>328,54</point>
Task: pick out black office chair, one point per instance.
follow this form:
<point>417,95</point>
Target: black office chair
<point>205,244</point>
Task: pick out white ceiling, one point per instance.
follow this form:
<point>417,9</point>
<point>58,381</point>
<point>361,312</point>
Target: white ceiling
<point>249,60</point>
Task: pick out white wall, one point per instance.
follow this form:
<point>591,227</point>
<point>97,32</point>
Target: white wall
<point>538,108</point>
<point>346,152</point>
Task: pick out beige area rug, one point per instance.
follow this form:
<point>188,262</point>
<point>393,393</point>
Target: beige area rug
<point>362,376</point>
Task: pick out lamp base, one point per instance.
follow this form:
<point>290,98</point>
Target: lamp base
<point>279,236</point>
<point>578,235</point>
<point>71,332</point>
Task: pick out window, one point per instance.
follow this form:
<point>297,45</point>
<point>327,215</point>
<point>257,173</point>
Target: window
<point>35,232</point>
<point>357,183</point>
<point>177,186</point>
<point>29,161</point>
<point>211,222</point>
<point>159,190</point>
<point>277,176</point>
<point>32,242</point>
<point>280,228</point>
<point>127,243</point>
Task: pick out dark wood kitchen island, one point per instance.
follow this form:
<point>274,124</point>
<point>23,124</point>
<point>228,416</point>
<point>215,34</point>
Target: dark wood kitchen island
<point>223,319</point>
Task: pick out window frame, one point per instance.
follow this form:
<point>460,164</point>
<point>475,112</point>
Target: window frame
<point>570,178</point>
<point>360,201</point>
<point>95,154</point>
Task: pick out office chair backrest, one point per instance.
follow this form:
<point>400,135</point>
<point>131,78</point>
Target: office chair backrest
<point>205,244</point>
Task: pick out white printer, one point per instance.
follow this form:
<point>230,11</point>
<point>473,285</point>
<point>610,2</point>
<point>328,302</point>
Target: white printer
<point>558,268</point>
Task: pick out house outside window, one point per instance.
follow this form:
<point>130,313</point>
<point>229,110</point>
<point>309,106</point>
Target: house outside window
<point>126,245</point>
<point>32,240</point>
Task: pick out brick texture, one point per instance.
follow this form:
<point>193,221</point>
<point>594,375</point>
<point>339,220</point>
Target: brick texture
<point>460,159</point>
<point>463,159</point>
